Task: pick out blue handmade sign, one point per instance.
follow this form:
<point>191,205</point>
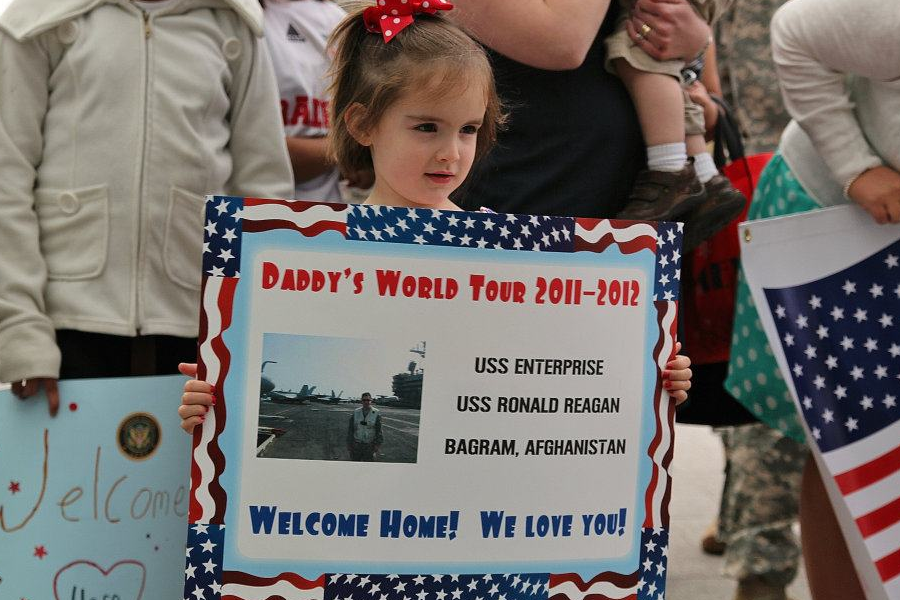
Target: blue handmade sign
<point>94,502</point>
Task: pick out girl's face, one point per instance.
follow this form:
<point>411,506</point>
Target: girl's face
<point>423,147</point>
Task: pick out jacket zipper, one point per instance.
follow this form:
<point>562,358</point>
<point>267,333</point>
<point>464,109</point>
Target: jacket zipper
<point>141,180</point>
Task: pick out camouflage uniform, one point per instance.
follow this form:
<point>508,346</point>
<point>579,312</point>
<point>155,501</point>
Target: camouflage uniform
<point>760,498</point>
<point>748,75</point>
<point>760,502</point>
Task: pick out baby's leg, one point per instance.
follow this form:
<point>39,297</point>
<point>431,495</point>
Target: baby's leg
<point>669,188</point>
<point>659,102</point>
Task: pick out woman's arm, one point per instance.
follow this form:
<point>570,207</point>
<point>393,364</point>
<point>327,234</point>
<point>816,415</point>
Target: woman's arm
<point>815,45</point>
<point>546,34</point>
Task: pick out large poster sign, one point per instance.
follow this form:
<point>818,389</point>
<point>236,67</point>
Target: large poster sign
<point>94,502</point>
<point>518,437</point>
<point>828,284</point>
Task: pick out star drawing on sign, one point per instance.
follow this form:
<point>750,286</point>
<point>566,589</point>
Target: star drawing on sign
<point>229,235</point>
<point>14,487</point>
<point>40,552</point>
<point>222,207</point>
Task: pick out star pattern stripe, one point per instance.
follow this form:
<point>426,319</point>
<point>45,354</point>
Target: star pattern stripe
<point>465,230</point>
<point>222,236</point>
<point>532,586</point>
<point>841,340</point>
<point>203,562</point>
<point>668,261</point>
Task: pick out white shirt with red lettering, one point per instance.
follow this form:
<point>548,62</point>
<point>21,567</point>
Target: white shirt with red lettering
<point>296,32</point>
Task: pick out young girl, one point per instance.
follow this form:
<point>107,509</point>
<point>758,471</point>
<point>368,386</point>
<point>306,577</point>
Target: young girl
<point>413,98</point>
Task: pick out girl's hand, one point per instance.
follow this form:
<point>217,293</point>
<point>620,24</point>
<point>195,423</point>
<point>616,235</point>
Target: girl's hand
<point>878,192</point>
<point>676,32</point>
<point>29,387</point>
<point>197,398</point>
<point>677,376</point>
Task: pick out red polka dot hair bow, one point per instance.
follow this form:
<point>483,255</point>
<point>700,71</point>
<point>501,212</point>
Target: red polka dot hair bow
<point>390,17</point>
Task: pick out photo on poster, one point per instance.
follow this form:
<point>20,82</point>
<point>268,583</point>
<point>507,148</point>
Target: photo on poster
<point>340,399</point>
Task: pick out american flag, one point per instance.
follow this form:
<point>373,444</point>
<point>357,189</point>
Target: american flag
<point>841,339</point>
<point>229,218</point>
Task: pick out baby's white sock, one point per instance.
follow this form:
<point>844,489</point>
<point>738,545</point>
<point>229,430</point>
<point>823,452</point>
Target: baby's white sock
<point>667,157</point>
<point>705,167</point>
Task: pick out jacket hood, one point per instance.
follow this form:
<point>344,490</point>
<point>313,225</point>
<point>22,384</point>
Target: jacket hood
<point>27,18</point>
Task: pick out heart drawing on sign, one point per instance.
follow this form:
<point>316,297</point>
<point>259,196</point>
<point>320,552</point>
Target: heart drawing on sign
<point>86,580</point>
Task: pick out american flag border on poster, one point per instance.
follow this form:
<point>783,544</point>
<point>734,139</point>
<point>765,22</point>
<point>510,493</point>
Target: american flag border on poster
<point>228,218</point>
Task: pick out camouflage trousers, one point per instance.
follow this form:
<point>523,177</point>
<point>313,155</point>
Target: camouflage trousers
<point>747,72</point>
<point>760,503</point>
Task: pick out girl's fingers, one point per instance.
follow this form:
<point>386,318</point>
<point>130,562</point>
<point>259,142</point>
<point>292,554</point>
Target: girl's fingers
<point>189,424</point>
<point>678,397</point>
<point>674,386</point>
<point>185,411</point>
<point>195,385</point>
<point>677,375</point>
<point>188,369</point>
<point>189,398</point>
<point>679,362</point>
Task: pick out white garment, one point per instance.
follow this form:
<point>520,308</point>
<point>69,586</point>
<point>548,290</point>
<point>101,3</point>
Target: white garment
<point>838,62</point>
<point>296,33</point>
<point>109,139</point>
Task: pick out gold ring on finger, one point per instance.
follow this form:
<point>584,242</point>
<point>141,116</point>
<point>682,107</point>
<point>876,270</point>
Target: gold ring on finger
<point>645,30</point>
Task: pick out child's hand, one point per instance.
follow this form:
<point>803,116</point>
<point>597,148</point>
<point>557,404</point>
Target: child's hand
<point>30,387</point>
<point>196,400</point>
<point>677,376</point>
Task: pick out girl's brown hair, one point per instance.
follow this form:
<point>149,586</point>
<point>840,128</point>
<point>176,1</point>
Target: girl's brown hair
<point>431,54</point>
